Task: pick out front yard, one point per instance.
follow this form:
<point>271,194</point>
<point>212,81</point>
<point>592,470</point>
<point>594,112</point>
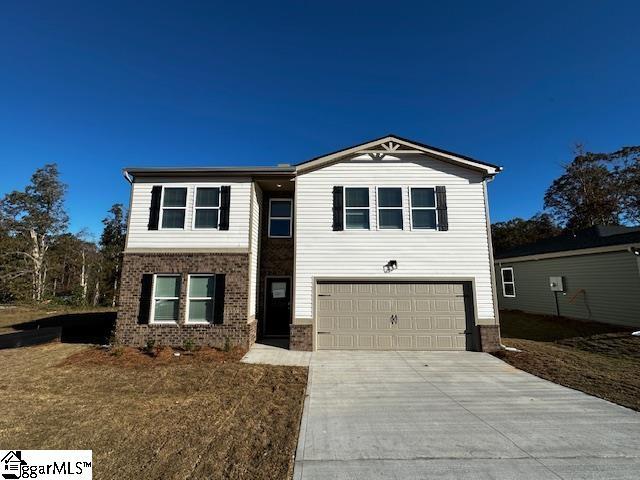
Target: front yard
<point>203,415</point>
<point>598,359</point>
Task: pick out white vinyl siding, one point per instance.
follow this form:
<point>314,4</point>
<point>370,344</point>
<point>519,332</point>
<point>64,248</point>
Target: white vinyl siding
<point>237,236</point>
<point>254,255</point>
<point>460,252</point>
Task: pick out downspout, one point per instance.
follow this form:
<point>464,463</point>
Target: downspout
<point>494,294</point>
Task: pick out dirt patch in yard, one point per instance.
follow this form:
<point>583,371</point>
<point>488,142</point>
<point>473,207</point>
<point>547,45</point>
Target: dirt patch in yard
<point>198,416</point>
<point>598,359</point>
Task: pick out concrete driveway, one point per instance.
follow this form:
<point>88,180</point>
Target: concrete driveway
<point>455,415</point>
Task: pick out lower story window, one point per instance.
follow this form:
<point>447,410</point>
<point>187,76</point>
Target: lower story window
<point>166,298</point>
<point>200,302</point>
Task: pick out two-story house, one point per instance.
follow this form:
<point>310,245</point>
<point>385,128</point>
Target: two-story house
<point>384,245</point>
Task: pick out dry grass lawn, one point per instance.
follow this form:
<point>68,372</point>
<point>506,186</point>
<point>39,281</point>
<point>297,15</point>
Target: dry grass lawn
<point>598,359</point>
<point>200,416</point>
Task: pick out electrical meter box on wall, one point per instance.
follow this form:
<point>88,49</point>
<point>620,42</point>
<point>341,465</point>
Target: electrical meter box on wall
<point>556,284</point>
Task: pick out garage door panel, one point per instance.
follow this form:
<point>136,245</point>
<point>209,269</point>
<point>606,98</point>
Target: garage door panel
<point>388,316</point>
<point>422,305</point>
<point>364,305</point>
<point>326,323</point>
<point>385,342</point>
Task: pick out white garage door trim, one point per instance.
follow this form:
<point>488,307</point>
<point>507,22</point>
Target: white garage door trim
<point>449,327</point>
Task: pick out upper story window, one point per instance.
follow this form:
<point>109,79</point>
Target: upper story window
<point>166,299</point>
<point>174,205</point>
<point>200,301</point>
<point>356,208</point>
<point>508,282</point>
<point>423,208</point>
<point>207,207</point>
<point>280,217</point>
<point>390,208</point>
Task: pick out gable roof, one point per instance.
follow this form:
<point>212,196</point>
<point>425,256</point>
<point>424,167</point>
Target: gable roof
<point>413,147</point>
<point>387,145</point>
<point>594,237</point>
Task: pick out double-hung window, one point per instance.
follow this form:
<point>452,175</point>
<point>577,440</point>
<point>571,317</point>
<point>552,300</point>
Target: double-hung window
<point>508,282</point>
<point>200,302</point>
<point>174,205</point>
<point>423,208</point>
<point>356,208</point>
<point>390,208</point>
<point>280,217</point>
<point>166,298</point>
<point>207,208</point>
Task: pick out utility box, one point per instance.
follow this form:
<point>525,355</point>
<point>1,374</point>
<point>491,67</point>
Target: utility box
<point>556,284</point>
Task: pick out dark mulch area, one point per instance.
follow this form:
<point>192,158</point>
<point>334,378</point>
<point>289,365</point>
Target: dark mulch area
<point>202,415</point>
<point>598,359</point>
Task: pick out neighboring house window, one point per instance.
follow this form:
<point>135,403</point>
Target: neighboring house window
<point>207,207</point>
<point>280,217</point>
<point>390,208</point>
<point>508,282</point>
<point>200,302</point>
<point>166,299</point>
<point>356,208</point>
<point>174,205</point>
<point>423,208</point>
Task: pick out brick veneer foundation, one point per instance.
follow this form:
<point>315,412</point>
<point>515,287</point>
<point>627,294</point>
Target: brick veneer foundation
<point>235,326</point>
<point>301,337</point>
<point>489,338</point>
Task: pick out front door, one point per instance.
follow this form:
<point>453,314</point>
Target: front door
<point>277,306</point>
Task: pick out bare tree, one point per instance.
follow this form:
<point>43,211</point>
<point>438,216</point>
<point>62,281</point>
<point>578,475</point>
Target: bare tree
<point>35,215</point>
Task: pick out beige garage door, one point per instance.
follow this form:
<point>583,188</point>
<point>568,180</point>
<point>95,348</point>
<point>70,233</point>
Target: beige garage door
<point>391,316</point>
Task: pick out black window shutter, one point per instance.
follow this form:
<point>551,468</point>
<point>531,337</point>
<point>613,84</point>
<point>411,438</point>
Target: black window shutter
<point>225,200</point>
<point>154,209</point>
<point>144,308</point>
<point>443,217</point>
<point>338,208</point>
<point>218,302</point>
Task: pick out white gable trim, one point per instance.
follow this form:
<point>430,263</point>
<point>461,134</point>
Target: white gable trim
<point>391,145</point>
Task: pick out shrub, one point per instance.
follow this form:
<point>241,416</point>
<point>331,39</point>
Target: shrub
<point>149,346</point>
<point>189,345</point>
<point>227,344</point>
<point>117,351</point>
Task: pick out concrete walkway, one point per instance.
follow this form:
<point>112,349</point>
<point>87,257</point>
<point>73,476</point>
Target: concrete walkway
<point>276,355</point>
<point>455,415</point>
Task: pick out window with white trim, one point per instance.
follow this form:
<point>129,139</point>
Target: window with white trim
<point>423,208</point>
<point>174,205</point>
<point>508,282</point>
<point>200,300</point>
<point>280,217</point>
<point>356,208</point>
<point>166,298</point>
<point>207,207</point>
<point>390,208</point>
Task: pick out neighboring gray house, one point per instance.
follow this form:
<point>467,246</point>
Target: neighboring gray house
<point>593,274</point>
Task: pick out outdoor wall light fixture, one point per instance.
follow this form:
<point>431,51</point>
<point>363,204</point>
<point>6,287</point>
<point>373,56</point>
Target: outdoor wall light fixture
<point>635,251</point>
<point>390,266</point>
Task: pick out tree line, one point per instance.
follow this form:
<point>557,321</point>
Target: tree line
<point>593,189</point>
<point>41,261</point>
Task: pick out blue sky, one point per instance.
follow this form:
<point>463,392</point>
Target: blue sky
<point>97,87</point>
